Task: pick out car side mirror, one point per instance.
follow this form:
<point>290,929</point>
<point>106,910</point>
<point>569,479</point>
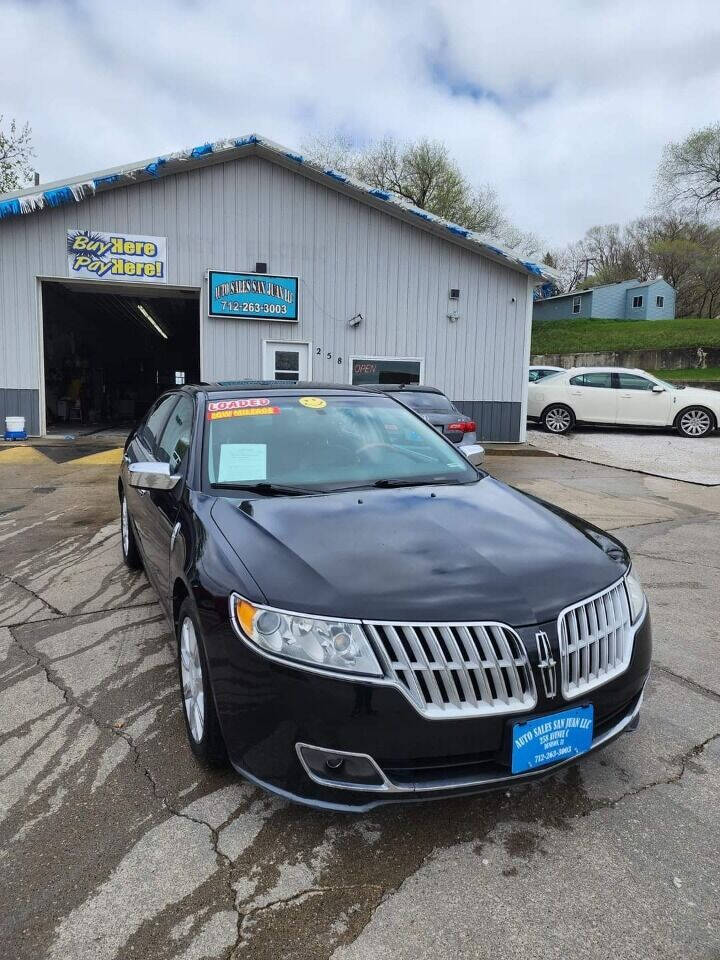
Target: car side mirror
<point>474,452</point>
<point>152,476</point>
<point>658,389</point>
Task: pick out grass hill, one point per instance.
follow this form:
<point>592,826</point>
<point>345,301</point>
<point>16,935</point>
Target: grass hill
<point>594,336</point>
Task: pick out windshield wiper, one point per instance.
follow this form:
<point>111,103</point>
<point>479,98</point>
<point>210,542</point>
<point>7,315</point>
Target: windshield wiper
<point>265,487</point>
<point>412,481</point>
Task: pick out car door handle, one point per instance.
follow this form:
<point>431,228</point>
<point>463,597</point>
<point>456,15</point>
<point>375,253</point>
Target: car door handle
<point>626,396</point>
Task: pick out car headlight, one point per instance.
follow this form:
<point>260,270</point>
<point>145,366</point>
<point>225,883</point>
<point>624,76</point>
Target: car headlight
<point>332,644</point>
<point>635,595</point>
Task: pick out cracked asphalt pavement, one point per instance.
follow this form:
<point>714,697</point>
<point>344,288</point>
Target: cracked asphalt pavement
<point>114,843</point>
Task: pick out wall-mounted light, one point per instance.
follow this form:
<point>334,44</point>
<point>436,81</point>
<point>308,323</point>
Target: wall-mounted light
<point>151,320</point>
<point>356,320</point>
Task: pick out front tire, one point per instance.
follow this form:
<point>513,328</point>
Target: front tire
<point>695,422</point>
<point>201,720</point>
<point>130,552</point>
<point>558,419</point>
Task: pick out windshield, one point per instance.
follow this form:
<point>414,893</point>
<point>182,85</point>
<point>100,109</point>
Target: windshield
<point>426,402</point>
<point>324,443</point>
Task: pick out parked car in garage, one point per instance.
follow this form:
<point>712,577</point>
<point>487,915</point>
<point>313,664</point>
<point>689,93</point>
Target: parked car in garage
<point>539,373</point>
<point>432,405</point>
<point>363,616</point>
<point>616,396</point>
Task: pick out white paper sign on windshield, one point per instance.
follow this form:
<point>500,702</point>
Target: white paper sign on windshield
<point>242,463</point>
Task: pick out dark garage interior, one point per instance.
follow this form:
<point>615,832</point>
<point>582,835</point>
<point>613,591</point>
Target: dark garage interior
<point>109,355</point>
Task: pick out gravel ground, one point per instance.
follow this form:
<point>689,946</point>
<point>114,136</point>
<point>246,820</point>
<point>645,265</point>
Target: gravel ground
<point>659,454</point>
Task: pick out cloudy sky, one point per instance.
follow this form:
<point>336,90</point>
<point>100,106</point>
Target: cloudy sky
<point>563,106</point>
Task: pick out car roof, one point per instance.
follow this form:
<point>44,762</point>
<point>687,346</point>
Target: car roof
<point>608,370</point>
<point>400,388</point>
<point>266,386</point>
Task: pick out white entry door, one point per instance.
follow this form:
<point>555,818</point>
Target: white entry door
<point>286,360</point>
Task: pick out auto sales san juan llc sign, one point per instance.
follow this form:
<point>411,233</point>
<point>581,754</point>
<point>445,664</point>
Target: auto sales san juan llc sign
<point>116,256</point>
<point>253,296</point>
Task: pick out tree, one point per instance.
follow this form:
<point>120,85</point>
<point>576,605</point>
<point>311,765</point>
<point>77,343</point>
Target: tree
<point>15,153</point>
<point>689,172</point>
<point>424,173</point>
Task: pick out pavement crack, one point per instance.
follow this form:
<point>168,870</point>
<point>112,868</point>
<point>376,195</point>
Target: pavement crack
<point>686,682</point>
<point>248,918</point>
<point>683,760</point>
<point>45,603</point>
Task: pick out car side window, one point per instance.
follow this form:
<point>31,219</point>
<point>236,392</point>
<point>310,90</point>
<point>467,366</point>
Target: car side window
<point>592,380</point>
<point>629,381</point>
<point>175,440</point>
<point>534,375</point>
<point>149,432</point>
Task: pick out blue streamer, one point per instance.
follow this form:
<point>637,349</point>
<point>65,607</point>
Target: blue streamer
<point>295,156</point>
<point>421,214</point>
<point>106,181</point>
<point>382,194</point>
<point>458,230</point>
<point>246,141</point>
<point>201,150</point>
<point>336,176</point>
<point>54,198</point>
<point>154,168</point>
<point>532,267</point>
<point>9,208</point>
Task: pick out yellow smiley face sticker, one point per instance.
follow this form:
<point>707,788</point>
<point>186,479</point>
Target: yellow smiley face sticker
<point>315,403</point>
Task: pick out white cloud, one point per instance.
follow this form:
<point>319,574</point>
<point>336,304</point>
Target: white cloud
<point>565,108</point>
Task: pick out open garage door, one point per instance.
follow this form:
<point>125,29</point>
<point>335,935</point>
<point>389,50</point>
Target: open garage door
<point>109,355</point>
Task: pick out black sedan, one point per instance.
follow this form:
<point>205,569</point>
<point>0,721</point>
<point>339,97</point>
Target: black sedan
<point>362,615</point>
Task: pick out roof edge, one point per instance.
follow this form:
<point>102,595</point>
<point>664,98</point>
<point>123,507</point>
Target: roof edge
<point>60,192</point>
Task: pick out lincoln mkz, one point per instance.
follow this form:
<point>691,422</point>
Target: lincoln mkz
<point>362,614</point>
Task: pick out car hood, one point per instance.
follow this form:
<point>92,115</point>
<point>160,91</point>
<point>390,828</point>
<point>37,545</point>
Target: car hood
<point>692,395</point>
<point>481,551</point>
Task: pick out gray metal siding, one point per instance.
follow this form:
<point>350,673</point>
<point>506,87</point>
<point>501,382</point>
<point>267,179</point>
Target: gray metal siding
<point>496,420</point>
<point>20,403</point>
<point>349,257</point>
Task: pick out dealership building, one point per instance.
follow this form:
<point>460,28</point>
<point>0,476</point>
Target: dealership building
<point>242,260</point>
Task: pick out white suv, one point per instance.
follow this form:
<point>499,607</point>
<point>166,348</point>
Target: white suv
<point>614,395</point>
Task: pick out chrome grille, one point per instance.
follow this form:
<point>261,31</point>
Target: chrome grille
<point>456,670</point>
<point>595,640</point>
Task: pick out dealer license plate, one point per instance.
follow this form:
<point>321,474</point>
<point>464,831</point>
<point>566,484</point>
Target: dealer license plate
<point>552,738</point>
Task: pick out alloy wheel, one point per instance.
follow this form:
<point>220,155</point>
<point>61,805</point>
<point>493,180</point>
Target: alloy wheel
<point>695,423</point>
<point>192,680</point>
<point>558,420</point>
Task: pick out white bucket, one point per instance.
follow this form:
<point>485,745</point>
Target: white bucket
<point>15,424</point>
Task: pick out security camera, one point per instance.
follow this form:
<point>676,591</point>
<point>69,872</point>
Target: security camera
<point>354,321</point>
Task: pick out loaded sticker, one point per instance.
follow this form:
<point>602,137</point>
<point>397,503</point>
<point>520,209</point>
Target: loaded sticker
<point>315,403</point>
<point>240,404</point>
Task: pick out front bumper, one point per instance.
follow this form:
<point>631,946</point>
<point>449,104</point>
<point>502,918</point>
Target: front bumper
<point>268,711</point>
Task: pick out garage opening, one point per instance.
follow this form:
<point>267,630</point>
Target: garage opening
<point>109,355</point>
